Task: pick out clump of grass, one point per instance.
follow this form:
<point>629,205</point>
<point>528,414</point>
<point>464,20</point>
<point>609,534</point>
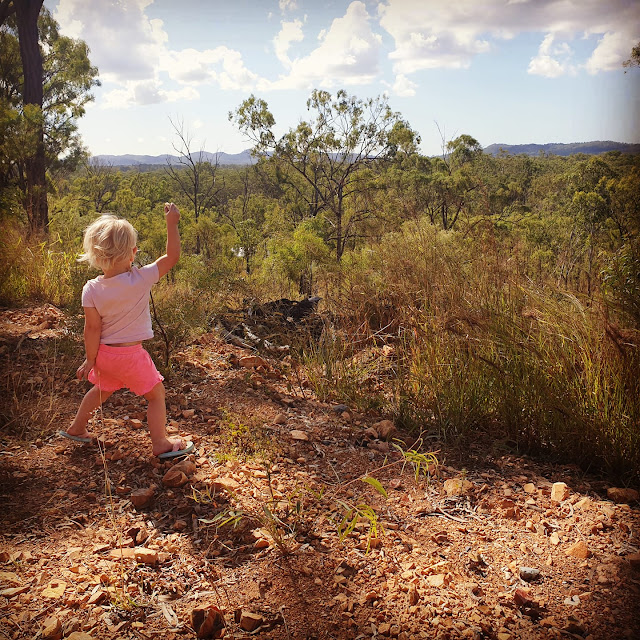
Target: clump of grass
<point>479,347</point>
<point>37,270</point>
<point>243,438</point>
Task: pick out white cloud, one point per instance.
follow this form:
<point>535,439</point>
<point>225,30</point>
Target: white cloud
<point>125,44</point>
<point>288,5</point>
<point>445,34</point>
<point>347,55</point>
<point>404,87</point>
<point>290,32</point>
<point>145,92</point>
<point>553,60</point>
<point>612,50</point>
<point>221,65</point>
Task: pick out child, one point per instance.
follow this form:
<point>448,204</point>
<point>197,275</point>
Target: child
<point>117,320</point>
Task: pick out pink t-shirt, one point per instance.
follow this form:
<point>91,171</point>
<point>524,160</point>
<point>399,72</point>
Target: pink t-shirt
<point>123,304</point>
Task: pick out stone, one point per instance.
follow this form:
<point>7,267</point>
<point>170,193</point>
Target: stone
<point>179,525</point>
<point>634,560</point>
<point>139,554</point>
<point>135,423</point>
<point>384,629</point>
<point>523,598</point>
<point>414,596</point>
<point>174,478</point>
<point>438,580</point>
<point>188,413</point>
<point>208,622</point>
<point>225,484</point>
<point>52,629</point>
<point>55,589</point>
<point>252,362</point>
<point>622,496</point>
<point>340,408</point>
<point>559,492</point>
<point>299,435</point>
<point>250,621</point>
<point>529,488</point>
<point>529,574</point>
<point>142,497</point>
<point>579,550</point>
<point>188,467</point>
<point>281,418</point>
<point>457,486</point>
<point>386,429</point>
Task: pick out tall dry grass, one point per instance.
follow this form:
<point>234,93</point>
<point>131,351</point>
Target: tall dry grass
<point>478,346</point>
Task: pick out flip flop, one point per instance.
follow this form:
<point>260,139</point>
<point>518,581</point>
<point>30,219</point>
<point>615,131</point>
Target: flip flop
<point>64,434</point>
<point>175,454</point>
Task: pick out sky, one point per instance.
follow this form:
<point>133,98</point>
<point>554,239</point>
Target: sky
<point>502,71</point>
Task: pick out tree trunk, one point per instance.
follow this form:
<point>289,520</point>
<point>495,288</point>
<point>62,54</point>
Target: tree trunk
<point>27,12</point>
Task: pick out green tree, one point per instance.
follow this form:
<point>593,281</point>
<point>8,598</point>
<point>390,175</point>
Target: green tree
<point>42,93</point>
<point>324,158</point>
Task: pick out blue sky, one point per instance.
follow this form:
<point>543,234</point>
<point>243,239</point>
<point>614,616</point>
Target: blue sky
<point>503,71</point>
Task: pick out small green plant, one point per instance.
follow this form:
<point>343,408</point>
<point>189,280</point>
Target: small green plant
<point>228,516</point>
<point>425,464</point>
<point>361,512</point>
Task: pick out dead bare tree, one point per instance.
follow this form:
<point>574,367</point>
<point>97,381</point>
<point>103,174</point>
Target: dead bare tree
<point>194,175</point>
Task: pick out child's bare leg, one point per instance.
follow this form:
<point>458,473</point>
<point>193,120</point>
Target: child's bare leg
<point>157,421</point>
<point>91,401</point>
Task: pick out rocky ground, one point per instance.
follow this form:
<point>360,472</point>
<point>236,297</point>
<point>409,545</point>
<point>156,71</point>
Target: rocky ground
<point>294,519</point>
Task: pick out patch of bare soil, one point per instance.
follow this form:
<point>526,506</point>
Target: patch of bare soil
<point>272,529</point>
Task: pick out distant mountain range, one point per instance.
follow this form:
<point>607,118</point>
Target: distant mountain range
<point>132,160</point>
<point>245,158</point>
<point>559,149</point>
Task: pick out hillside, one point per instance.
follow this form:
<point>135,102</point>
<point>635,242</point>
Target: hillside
<point>249,537</point>
<point>129,160</point>
<point>244,158</point>
<point>559,149</point>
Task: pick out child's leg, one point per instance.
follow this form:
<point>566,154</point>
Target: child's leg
<point>157,420</point>
<point>91,401</point>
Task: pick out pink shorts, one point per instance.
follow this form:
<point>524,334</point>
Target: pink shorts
<point>130,367</point>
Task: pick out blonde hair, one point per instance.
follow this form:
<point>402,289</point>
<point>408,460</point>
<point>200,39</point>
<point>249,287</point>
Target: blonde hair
<point>107,240</point>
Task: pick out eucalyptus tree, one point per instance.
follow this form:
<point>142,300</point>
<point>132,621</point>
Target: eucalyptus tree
<point>45,84</point>
<point>325,159</point>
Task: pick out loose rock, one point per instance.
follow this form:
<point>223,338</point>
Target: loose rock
<point>386,429</point>
<point>141,497</point>
<point>174,478</point>
<point>622,496</point>
<point>559,492</point>
<point>250,621</point>
<point>579,550</point>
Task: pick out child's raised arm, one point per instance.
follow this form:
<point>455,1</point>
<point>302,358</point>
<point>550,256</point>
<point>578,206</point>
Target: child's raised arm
<point>171,257</point>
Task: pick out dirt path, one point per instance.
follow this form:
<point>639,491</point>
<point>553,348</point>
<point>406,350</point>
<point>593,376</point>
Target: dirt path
<point>259,531</point>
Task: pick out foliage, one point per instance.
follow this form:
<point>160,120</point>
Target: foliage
<point>67,79</point>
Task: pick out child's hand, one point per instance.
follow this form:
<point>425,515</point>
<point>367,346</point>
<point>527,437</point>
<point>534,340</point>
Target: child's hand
<point>84,369</point>
<point>171,213</point>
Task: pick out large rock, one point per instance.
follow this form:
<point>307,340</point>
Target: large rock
<point>174,478</point>
<point>622,496</point>
<point>208,622</point>
<point>579,550</point>
<point>142,497</point>
<point>250,621</point>
<point>385,429</point>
